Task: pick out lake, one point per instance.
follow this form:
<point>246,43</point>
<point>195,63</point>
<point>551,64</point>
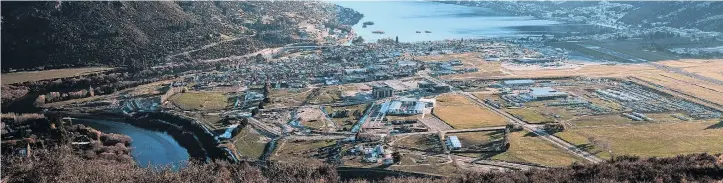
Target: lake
<point>445,21</point>
<point>148,147</point>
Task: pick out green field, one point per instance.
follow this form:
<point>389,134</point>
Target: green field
<point>202,101</point>
<point>346,122</point>
<point>527,147</point>
<point>19,77</point>
<point>661,140</point>
<point>249,143</point>
<point>529,116</point>
<point>460,113</point>
<point>426,143</point>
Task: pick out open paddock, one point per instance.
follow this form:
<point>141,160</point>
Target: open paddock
<point>461,113</point>
<point>660,140</point>
<point>249,143</point>
<point>345,116</point>
<point>526,147</point>
<point>201,101</point>
<point>425,142</point>
<point>19,77</point>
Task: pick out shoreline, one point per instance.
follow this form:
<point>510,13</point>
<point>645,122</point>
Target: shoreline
<point>184,135</point>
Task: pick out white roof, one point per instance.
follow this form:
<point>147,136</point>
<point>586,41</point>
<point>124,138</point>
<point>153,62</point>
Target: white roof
<point>454,141</point>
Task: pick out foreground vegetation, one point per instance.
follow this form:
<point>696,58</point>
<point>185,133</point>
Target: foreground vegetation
<point>62,165</point>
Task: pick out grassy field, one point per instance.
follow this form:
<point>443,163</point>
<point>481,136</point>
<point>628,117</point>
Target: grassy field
<point>316,124</point>
<point>662,140</point>
<point>202,101</point>
<point>346,122</point>
<point>583,142</point>
<point>477,137</point>
<point>425,164</point>
<point>325,95</point>
<point>302,151</point>
<point>426,143</point>
<point>19,77</point>
<point>213,121</point>
<point>288,97</point>
<point>708,68</point>
<point>602,120</point>
<point>460,113</point>
<point>477,140</point>
<point>698,88</point>
<point>530,116</point>
<point>249,143</point>
<point>527,147</point>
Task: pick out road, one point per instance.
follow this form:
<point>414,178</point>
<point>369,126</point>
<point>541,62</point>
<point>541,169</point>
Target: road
<point>686,73</point>
<point>261,126</point>
<point>529,127</point>
<point>453,131</point>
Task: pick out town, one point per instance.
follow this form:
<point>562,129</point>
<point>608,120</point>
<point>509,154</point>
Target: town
<point>417,107</point>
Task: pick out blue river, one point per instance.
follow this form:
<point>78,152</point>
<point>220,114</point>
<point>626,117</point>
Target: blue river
<point>148,147</point>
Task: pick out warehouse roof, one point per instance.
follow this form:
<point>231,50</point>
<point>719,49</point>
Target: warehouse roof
<point>519,81</point>
<point>454,142</point>
<point>546,92</point>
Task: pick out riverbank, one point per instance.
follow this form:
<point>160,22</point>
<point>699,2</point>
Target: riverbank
<point>198,143</point>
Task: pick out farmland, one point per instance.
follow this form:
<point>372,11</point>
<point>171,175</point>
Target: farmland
<point>661,140</point>
<point>525,147</point>
<point>250,143</point>
<point>460,113</point>
<point>19,77</point>
<point>201,101</point>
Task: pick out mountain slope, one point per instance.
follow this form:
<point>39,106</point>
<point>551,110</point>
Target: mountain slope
<point>705,16</point>
<point>53,34</point>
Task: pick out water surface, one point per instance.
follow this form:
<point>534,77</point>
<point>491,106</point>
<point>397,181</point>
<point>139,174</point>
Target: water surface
<point>148,147</point>
<point>445,21</point>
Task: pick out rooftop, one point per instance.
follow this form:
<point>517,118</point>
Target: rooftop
<point>519,81</point>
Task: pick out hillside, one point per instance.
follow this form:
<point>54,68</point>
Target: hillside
<point>140,34</point>
<point>704,16</point>
<point>61,165</point>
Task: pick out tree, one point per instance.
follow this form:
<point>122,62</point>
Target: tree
<point>396,39</point>
<point>260,58</point>
<point>358,40</point>
<point>396,157</point>
<point>553,127</point>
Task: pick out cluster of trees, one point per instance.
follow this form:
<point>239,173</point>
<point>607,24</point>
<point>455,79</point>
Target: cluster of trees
<point>58,96</point>
<point>553,127</point>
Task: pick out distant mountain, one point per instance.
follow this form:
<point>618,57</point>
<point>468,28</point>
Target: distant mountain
<point>706,16</point>
<point>67,34</point>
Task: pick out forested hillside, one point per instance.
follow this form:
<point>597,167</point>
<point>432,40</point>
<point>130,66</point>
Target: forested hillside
<point>54,34</point>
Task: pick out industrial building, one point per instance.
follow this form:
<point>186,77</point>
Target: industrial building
<point>542,93</point>
<point>425,84</point>
<point>453,143</point>
<point>407,106</point>
<point>519,82</point>
<point>382,91</point>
